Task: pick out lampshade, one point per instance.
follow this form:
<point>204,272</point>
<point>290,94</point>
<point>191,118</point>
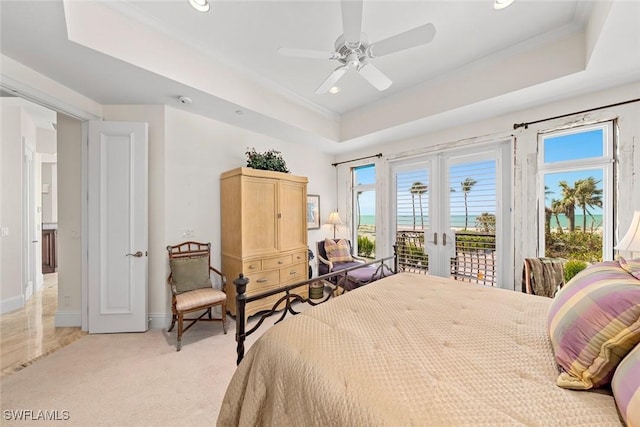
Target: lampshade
<point>334,218</point>
<point>631,240</point>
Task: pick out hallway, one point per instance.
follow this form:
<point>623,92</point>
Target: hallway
<point>28,333</point>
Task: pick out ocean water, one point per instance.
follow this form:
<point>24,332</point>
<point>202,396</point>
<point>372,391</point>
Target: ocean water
<point>457,221</point>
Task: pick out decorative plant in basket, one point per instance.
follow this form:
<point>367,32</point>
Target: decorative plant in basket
<point>270,160</point>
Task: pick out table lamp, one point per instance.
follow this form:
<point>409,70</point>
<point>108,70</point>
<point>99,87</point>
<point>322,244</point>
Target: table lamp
<point>334,219</point>
<point>631,241</point>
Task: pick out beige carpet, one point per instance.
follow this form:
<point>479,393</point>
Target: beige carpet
<point>127,380</point>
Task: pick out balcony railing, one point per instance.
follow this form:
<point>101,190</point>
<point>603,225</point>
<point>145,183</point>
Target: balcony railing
<point>475,259</point>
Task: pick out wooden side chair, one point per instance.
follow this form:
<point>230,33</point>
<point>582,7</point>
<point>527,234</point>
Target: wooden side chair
<point>191,286</point>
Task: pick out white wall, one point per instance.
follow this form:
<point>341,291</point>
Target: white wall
<point>69,221</point>
<point>11,278</point>
<point>17,131</point>
<point>525,208</point>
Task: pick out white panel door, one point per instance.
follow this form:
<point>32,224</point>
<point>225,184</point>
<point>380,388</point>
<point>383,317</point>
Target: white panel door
<point>117,227</point>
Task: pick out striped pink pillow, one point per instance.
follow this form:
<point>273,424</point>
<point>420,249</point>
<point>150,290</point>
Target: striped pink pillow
<point>626,387</point>
<point>631,266</point>
<point>594,321</point>
<point>338,251</point>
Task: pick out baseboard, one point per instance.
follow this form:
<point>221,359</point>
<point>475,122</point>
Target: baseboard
<point>10,304</point>
<point>159,320</point>
<point>68,319</point>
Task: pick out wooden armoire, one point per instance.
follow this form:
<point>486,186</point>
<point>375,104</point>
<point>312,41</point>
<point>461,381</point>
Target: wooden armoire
<point>264,232</point>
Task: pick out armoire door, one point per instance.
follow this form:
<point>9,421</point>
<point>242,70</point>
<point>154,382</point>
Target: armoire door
<point>259,216</point>
<point>292,212</point>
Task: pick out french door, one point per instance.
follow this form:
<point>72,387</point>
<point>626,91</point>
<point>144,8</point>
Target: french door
<point>452,214</point>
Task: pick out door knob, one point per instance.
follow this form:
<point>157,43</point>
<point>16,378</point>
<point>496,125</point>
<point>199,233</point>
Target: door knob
<point>137,254</point>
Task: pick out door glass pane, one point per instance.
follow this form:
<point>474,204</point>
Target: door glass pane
<point>364,212</point>
<point>472,217</point>
<point>412,219</point>
<point>574,216</point>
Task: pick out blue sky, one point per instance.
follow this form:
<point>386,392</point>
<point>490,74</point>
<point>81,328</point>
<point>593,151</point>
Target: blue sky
<point>576,146</point>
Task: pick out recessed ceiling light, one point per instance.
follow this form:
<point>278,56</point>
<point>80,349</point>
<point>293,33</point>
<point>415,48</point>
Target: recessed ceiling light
<point>501,4</point>
<point>185,100</point>
<point>334,89</point>
<point>200,5</point>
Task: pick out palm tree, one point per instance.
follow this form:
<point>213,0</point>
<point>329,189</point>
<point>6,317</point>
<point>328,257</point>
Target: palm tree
<point>587,194</point>
<point>547,211</point>
<point>466,186</point>
<point>419,189</point>
<point>569,204</point>
<point>556,209</point>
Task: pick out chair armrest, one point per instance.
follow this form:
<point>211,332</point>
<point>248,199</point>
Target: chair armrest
<point>359,258</point>
<point>325,261</point>
<point>223,278</point>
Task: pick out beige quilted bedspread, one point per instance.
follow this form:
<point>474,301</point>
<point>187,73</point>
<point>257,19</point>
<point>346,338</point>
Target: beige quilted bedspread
<point>411,350</point>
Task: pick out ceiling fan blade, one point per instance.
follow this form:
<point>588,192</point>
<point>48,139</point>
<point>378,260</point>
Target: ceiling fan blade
<point>352,22</point>
<point>332,79</point>
<point>307,53</point>
<point>411,38</point>
<point>375,76</point>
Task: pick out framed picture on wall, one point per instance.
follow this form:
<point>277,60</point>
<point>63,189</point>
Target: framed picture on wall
<point>313,212</point>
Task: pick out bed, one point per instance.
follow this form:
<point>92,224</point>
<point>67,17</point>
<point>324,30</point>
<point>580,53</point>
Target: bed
<point>412,349</point>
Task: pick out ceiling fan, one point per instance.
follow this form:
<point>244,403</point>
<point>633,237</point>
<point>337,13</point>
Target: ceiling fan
<point>353,50</point>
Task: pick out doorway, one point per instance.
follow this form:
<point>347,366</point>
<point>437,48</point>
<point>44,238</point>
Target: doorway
<point>452,214</point>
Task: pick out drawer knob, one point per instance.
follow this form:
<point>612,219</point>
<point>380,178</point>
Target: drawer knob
<point>262,280</point>
<point>293,272</point>
<point>280,262</point>
<point>252,267</point>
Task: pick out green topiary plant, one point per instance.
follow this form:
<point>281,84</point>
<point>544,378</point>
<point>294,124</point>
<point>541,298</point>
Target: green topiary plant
<point>270,160</point>
<point>573,267</point>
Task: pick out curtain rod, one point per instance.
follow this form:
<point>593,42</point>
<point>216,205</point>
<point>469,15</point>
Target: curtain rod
<point>360,158</point>
<point>526,125</point>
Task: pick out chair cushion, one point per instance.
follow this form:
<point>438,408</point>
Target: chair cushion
<point>594,321</point>
<point>625,386</point>
<point>190,273</point>
<point>199,298</point>
<point>339,251</point>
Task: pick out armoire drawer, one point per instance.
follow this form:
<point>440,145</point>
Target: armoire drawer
<point>294,273</point>
<point>276,262</point>
<point>254,266</point>
<point>263,281</point>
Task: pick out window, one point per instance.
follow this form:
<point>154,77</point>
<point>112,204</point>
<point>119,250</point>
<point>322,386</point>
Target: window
<point>364,212</point>
<point>576,184</point>
<point>452,214</point>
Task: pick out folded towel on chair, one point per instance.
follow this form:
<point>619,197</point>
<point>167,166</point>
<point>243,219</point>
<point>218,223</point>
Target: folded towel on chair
<point>543,276</point>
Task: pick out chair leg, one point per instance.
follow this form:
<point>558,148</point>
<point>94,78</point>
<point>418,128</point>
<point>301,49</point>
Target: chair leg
<point>209,310</point>
<point>224,318</point>
<point>173,323</point>
<point>180,322</point>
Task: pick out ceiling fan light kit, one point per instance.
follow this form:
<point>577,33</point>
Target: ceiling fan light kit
<point>200,5</point>
<point>502,4</point>
<point>354,52</point>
